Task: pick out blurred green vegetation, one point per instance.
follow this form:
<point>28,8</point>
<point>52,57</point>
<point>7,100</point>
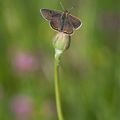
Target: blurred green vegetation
<point>90,68</point>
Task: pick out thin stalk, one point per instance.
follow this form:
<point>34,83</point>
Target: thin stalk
<point>57,87</point>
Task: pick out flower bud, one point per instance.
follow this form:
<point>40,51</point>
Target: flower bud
<point>61,41</point>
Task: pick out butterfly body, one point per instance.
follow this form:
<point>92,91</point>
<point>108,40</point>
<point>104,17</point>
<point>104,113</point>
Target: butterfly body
<point>61,21</point>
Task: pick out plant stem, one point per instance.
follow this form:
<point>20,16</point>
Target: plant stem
<point>57,86</point>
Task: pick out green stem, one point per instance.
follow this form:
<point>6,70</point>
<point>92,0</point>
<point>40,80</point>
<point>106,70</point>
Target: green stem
<point>57,86</point>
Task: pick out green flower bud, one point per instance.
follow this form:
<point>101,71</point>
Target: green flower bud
<point>62,41</point>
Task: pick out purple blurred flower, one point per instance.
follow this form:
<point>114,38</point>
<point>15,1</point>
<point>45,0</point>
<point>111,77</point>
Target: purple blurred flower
<point>25,62</point>
<point>22,107</point>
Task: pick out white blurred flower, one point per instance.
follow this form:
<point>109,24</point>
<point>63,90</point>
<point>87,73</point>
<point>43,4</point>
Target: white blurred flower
<point>62,41</point>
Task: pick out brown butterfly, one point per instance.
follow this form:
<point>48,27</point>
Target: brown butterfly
<point>62,22</point>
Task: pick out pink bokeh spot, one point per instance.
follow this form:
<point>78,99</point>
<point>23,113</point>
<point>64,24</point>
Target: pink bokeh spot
<point>25,62</point>
<point>22,107</point>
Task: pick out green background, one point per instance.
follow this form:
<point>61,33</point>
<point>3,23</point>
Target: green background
<point>90,68</point>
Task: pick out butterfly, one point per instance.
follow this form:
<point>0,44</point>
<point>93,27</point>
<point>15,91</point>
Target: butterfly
<point>61,21</point>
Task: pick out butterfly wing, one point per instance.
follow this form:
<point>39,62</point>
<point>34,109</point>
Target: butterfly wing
<point>55,22</point>
<point>74,21</point>
<point>49,14</point>
<point>67,27</point>
<point>61,23</point>
<point>54,18</point>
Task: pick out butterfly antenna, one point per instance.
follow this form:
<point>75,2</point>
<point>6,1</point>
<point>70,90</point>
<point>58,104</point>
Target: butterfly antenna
<point>71,8</point>
<point>62,5</point>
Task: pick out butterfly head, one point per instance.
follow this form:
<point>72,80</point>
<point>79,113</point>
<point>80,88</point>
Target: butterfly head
<point>66,12</point>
